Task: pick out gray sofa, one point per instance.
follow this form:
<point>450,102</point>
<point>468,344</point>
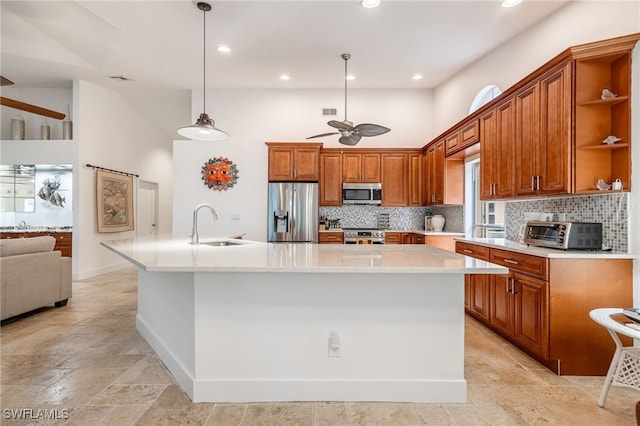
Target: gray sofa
<point>32,275</point>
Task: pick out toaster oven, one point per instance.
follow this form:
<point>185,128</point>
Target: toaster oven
<point>564,235</point>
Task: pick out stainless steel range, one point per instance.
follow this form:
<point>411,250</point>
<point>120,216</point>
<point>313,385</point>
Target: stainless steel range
<point>364,236</point>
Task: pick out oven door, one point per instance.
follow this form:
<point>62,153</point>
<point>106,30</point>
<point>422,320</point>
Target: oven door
<point>543,235</point>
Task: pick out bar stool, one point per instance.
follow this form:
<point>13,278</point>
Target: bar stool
<point>625,365</point>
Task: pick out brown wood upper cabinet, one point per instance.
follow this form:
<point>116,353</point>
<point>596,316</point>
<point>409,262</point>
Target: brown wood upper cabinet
<point>330,179</point>
<point>497,131</point>
<point>463,137</point>
<point>394,179</point>
<point>443,177</point>
<point>361,167</point>
<point>543,135</point>
<point>294,161</point>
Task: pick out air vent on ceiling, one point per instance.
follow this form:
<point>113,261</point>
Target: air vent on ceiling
<point>121,78</point>
<point>329,111</point>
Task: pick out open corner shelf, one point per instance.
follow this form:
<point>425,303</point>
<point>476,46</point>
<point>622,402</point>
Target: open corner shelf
<point>604,146</point>
<point>604,102</point>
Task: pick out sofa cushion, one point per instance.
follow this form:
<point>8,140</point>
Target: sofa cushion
<point>15,246</point>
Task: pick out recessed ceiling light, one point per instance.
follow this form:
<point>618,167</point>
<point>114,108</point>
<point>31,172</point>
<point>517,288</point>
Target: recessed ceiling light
<point>224,49</point>
<point>510,3</point>
<point>417,77</point>
<point>351,77</point>
<point>370,3</point>
<point>284,77</point>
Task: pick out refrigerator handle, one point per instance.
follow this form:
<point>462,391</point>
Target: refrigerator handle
<point>281,221</point>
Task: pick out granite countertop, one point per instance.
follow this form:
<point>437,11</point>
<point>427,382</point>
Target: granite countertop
<point>168,254</point>
<point>514,246</point>
<point>17,230</point>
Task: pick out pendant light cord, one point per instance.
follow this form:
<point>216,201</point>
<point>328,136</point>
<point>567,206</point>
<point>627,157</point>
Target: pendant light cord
<point>345,89</point>
<point>204,60</point>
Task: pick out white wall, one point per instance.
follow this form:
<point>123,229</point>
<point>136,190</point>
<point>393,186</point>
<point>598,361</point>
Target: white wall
<point>253,117</point>
<point>112,134</point>
<point>576,23</point>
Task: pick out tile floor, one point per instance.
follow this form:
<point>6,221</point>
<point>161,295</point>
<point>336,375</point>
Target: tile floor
<point>86,365</point>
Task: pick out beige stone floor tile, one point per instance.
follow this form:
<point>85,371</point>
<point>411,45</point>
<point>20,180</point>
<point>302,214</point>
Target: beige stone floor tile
<point>483,415</point>
<point>278,415</point>
<point>173,407</point>
<point>331,414</point>
<point>391,414</point>
<point>80,386</point>
<point>38,369</point>
<point>89,358</point>
<point>149,370</point>
<point>434,414</point>
<point>128,395</point>
<point>226,415</point>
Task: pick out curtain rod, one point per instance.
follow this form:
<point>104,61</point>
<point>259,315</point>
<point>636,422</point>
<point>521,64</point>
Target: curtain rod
<point>111,170</point>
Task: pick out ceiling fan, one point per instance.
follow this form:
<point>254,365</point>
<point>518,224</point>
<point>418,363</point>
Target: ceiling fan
<point>351,134</point>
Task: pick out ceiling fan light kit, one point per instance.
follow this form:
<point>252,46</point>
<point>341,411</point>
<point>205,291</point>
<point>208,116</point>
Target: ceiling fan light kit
<point>204,127</point>
<point>350,134</point>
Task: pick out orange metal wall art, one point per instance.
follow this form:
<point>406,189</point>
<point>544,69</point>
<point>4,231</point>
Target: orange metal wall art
<point>219,173</point>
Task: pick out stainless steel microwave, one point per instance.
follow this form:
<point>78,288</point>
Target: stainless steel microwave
<point>564,235</point>
<point>362,193</point>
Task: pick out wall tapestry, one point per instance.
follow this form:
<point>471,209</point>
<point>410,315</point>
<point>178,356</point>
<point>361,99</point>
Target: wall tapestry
<point>115,202</point>
<point>219,173</point>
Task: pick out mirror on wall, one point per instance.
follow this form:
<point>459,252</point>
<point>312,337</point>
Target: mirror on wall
<point>17,188</point>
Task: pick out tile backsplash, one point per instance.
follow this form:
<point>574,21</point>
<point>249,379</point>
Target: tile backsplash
<point>400,218</point>
<point>609,209</point>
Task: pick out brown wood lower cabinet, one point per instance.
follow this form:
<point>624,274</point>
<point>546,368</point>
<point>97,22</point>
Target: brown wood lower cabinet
<point>63,239</point>
<point>330,238</point>
<point>542,306</point>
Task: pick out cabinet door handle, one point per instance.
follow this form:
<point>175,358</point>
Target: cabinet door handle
<point>467,251</point>
<point>512,262</point>
<point>506,285</point>
<point>538,182</point>
<point>533,183</point>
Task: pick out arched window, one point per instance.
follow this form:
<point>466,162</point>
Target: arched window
<point>484,96</point>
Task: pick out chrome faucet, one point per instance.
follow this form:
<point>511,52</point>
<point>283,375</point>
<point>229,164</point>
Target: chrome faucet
<point>194,231</point>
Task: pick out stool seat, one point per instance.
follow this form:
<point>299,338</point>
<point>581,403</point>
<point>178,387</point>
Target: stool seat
<point>625,364</point>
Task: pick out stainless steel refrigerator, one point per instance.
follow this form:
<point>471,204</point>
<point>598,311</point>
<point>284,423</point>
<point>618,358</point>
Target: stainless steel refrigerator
<point>293,212</point>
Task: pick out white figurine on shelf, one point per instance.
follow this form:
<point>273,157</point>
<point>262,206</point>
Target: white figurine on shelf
<point>602,185</point>
<point>607,94</point>
<point>610,140</point>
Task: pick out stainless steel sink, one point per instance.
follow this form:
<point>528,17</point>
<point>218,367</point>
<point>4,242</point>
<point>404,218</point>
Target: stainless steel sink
<point>221,243</point>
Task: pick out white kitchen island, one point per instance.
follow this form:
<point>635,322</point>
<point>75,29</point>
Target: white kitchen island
<point>252,321</point>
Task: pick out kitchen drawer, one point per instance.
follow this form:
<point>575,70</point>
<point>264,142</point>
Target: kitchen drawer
<point>473,250</point>
<point>331,238</point>
<point>529,265</point>
<point>393,238</point>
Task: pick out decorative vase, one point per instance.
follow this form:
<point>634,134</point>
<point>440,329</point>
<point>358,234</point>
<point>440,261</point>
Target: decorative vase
<point>17,128</point>
<point>45,131</point>
<point>437,221</point>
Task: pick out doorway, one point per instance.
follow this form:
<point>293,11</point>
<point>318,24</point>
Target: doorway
<point>147,208</point>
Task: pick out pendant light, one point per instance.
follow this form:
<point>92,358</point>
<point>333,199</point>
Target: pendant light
<point>205,128</point>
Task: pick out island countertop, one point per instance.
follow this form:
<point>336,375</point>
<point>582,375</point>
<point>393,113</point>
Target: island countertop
<point>169,254</point>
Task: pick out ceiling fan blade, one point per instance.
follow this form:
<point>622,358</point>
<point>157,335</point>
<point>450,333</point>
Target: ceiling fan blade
<point>367,129</point>
<point>350,140</point>
<point>340,125</point>
<point>5,81</point>
<point>323,134</point>
<point>23,106</point>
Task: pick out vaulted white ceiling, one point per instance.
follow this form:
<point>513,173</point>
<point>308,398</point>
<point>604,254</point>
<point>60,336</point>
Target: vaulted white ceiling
<point>159,44</point>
